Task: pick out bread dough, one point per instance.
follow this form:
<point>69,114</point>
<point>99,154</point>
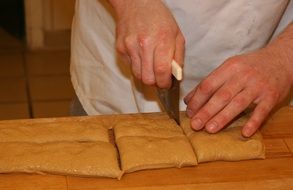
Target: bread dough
<point>227,145</point>
<point>162,128</point>
<point>139,153</point>
<point>52,132</point>
<point>70,158</point>
<point>149,143</point>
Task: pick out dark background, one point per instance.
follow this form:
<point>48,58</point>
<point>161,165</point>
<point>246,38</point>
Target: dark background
<point>12,17</point>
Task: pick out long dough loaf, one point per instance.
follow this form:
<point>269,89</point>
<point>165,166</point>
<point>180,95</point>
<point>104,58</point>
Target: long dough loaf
<point>70,158</point>
<point>52,132</point>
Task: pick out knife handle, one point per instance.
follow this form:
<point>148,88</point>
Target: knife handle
<point>176,70</point>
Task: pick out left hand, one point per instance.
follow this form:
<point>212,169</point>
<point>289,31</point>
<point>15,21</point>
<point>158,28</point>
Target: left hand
<point>258,77</point>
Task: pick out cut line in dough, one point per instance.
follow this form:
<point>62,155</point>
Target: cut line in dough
<point>139,153</point>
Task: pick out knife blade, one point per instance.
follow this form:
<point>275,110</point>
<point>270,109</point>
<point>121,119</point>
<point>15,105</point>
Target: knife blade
<point>169,98</point>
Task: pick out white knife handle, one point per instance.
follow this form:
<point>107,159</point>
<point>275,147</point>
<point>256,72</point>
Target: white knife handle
<point>176,70</point>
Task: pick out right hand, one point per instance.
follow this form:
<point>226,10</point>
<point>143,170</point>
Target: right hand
<point>149,38</point>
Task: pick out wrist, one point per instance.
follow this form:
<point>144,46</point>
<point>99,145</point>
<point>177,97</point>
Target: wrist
<point>282,47</point>
<point>283,55</point>
<point>122,6</point>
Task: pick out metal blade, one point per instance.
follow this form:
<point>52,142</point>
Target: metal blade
<point>170,99</point>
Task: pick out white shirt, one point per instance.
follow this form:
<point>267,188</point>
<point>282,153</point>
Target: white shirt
<point>213,30</point>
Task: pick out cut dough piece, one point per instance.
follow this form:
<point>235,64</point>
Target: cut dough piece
<point>51,132</point>
<point>162,128</point>
<point>68,158</point>
<point>226,145</point>
<point>139,153</point>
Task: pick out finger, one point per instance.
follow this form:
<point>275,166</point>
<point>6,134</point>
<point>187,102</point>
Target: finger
<point>201,95</point>
<point>136,66</point>
<point>238,104</point>
<point>179,49</point>
<point>217,102</point>
<point>121,49</point>
<point>260,112</point>
<point>147,61</point>
<point>131,50</point>
<point>209,85</point>
<point>188,97</point>
<point>163,57</point>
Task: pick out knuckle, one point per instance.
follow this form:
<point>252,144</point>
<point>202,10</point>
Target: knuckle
<point>235,64</point>
<point>163,34</point>
<point>147,80</point>
<point>120,48</point>
<point>192,104</point>
<point>163,84</point>
<point>224,119</point>
<point>144,41</point>
<point>129,42</point>
<point>162,68</point>
<point>254,122</point>
<point>239,101</point>
<point>234,60</point>
<point>204,113</point>
<point>181,39</point>
<point>206,87</point>
<point>275,95</point>
<point>225,96</point>
<point>263,110</point>
<point>136,74</point>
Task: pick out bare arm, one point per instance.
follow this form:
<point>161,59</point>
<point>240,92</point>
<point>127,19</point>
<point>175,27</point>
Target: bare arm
<point>282,47</point>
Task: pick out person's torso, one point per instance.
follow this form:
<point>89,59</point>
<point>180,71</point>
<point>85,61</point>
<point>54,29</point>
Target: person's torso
<point>214,31</point>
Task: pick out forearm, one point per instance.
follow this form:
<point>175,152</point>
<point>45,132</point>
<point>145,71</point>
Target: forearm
<point>120,6</point>
<point>282,47</point>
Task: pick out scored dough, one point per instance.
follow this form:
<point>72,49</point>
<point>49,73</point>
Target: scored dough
<point>163,128</point>
<point>52,132</point>
<point>226,145</point>
<point>73,158</point>
<point>138,153</point>
<point>150,143</point>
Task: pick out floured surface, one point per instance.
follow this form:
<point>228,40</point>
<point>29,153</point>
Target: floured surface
<point>227,145</point>
<point>138,153</point>
<point>52,132</point>
<point>70,158</point>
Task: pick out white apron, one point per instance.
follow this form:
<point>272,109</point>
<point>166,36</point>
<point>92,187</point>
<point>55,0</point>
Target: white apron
<point>214,31</point>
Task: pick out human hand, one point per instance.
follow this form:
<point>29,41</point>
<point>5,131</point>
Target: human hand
<point>149,38</point>
<point>259,78</point>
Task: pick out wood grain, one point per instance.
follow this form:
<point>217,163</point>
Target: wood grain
<point>275,172</point>
<point>32,182</point>
<point>289,143</point>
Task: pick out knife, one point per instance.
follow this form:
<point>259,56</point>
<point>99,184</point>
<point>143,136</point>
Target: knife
<point>169,98</point>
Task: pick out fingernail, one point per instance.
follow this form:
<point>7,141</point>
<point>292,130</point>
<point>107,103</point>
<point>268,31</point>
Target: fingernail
<point>196,124</point>
<point>189,113</point>
<point>247,131</point>
<point>212,127</point>
<point>185,101</point>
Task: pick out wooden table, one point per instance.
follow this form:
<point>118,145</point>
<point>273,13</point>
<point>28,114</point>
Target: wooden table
<point>275,172</point>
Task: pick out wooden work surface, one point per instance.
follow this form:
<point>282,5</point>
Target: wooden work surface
<point>275,172</point>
